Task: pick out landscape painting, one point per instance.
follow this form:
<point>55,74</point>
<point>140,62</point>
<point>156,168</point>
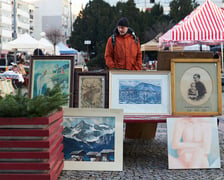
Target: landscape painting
<point>141,92</point>
<point>90,139</point>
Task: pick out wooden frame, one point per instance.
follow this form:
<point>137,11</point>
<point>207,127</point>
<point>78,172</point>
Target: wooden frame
<point>46,71</point>
<point>140,92</point>
<point>88,149</point>
<point>91,90</point>
<point>2,93</point>
<point>10,86</point>
<point>191,97</point>
<point>5,87</point>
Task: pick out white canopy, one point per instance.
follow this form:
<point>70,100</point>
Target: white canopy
<point>46,45</point>
<point>25,41</point>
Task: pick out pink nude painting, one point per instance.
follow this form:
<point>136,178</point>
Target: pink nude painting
<point>193,143</point>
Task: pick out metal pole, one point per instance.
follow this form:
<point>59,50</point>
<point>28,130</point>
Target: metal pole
<point>15,25</point>
<point>14,16</point>
<point>222,55</point>
<point>71,16</point>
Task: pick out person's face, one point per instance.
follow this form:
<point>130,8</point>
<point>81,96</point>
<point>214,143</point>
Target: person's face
<point>122,30</point>
<point>196,78</point>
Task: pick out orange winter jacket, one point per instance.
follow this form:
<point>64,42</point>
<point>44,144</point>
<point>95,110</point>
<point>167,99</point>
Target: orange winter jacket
<point>124,54</point>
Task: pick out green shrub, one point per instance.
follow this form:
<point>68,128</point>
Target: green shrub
<point>22,106</point>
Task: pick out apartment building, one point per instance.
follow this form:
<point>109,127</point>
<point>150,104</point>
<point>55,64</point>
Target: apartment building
<point>33,17</point>
<point>5,22</point>
<point>59,17</point>
<point>16,18</point>
<point>148,4</point>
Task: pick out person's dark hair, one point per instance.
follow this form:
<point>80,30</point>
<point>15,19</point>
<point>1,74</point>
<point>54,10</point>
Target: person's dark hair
<point>197,75</point>
<point>123,22</point>
<point>38,52</point>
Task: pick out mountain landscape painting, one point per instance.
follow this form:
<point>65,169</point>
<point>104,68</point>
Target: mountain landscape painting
<point>89,138</point>
<point>140,91</point>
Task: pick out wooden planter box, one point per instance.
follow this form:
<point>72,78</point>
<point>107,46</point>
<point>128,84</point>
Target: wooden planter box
<point>31,149</point>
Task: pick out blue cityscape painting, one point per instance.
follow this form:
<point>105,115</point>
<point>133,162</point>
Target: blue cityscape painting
<point>89,138</point>
<point>140,91</point>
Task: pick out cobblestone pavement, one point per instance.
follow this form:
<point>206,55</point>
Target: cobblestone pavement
<point>148,160</point>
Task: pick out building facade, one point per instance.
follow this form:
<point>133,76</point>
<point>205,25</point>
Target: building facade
<point>33,17</point>
<point>148,4</point>
<point>16,18</point>
<point>59,17</point>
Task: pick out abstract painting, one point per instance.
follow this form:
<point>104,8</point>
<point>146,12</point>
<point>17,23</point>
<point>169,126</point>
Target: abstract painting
<point>93,139</point>
<point>193,143</point>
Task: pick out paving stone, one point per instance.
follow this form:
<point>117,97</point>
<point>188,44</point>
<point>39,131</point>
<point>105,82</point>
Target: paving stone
<point>148,160</point>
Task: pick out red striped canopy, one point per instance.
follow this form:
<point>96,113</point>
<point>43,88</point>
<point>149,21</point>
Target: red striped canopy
<point>205,25</point>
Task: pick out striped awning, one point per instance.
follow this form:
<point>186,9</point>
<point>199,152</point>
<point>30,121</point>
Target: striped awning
<point>205,25</point>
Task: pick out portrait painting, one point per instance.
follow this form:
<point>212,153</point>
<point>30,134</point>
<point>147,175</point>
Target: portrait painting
<point>93,139</point>
<point>2,93</point>
<point>46,72</point>
<point>10,86</point>
<point>196,87</point>
<point>140,92</point>
<point>91,90</point>
<point>5,88</point>
<point>193,143</point>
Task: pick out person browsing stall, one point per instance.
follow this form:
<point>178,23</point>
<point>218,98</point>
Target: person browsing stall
<point>123,48</point>
<point>123,52</point>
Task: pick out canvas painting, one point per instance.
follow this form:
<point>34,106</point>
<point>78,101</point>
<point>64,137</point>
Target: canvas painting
<point>46,72</point>
<point>5,88</point>
<point>193,143</point>
<point>93,139</point>
<point>140,92</point>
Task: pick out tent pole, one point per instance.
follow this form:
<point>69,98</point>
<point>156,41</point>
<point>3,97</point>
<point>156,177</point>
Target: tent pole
<point>222,55</point>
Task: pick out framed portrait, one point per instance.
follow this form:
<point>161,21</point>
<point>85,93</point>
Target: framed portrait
<point>2,93</point>
<point>10,86</point>
<point>193,143</point>
<point>140,92</point>
<point>196,87</point>
<point>93,139</point>
<point>47,71</point>
<point>91,90</point>
<point>5,88</point>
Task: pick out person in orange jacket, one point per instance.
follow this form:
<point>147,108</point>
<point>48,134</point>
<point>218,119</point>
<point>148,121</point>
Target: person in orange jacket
<point>123,48</point>
<point>123,52</point>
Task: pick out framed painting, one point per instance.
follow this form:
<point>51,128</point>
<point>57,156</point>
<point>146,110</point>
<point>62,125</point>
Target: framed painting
<point>5,88</point>
<point>140,92</point>
<point>196,87</point>
<point>91,90</point>
<point>193,143</point>
<point>10,86</point>
<point>2,93</point>
<point>47,71</point>
<point>93,139</point>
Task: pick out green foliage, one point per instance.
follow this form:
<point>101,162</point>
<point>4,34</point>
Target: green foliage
<point>98,19</point>
<point>179,9</point>
<point>22,106</point>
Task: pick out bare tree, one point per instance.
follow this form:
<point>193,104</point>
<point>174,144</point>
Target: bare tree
<point>54,35</point>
